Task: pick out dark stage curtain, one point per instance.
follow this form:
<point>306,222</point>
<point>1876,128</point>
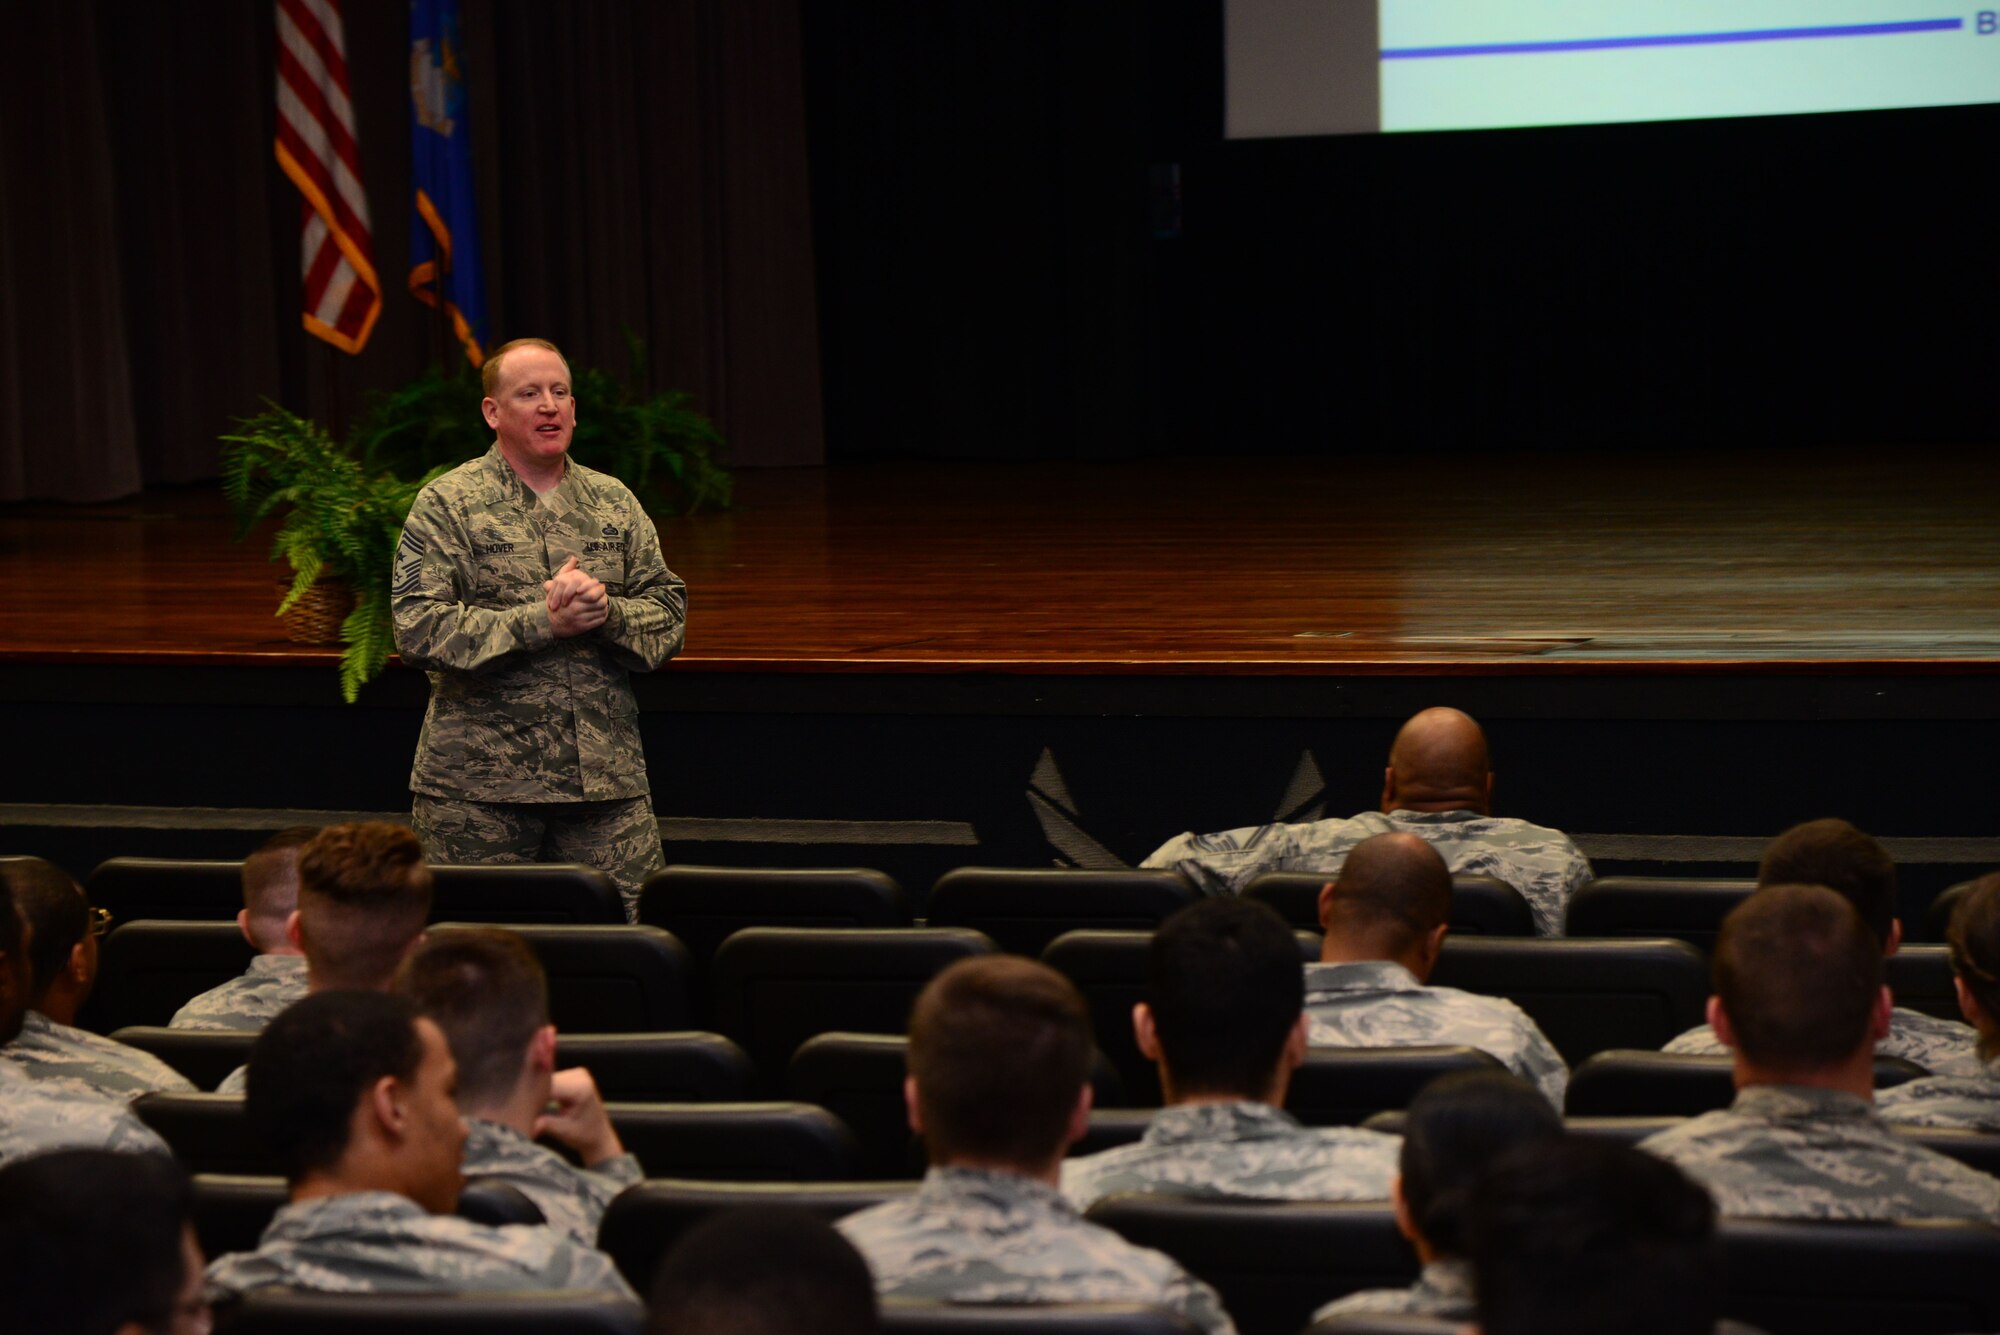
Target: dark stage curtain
<point>642,168</point>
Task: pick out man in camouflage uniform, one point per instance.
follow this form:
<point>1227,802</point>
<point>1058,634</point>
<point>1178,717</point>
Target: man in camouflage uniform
<point>1968,1101</point>
<point>1799,997</point>
<point>51,1114</point>
<point>277,976</point>
<point>353,1092</point>
<point>999,1086</point>
<point>486,991</point>
<point>530,587</point>
<point>62,958</point>
<point>1224,1020</point>
<point>1834,854</point>
<point>1385,921</point>
<point>1439,787</point>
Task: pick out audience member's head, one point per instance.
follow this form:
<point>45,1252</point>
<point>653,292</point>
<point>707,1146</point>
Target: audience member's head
<point>999,1056</point>
<point>486,990</point>
<point>61,951</point>
<point>364,895</point>
<point>271,890</point>
<point>1975,959</point>
<point>354,1091</point>
<point>1456,1126</point>
<point>1225,1001</point>
<point>1574,1236</point>
<point>763,1271</point>
<point>1438,763</point>
<point>17,980</point>
<point>1798,984</point>
<point>93,1242</point>
<point>1391,901</point>
<point>1854,865</point>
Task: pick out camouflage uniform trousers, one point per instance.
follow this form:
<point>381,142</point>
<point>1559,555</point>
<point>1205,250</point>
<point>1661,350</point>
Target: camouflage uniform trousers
<point>621,838</point>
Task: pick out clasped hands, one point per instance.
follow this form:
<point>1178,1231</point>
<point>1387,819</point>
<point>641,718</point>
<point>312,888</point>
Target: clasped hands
<point>577,602</point>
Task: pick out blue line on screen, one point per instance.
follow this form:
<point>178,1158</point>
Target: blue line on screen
<point>1672,39</point>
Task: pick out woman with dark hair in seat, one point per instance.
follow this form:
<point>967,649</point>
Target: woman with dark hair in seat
<point>1969,1101</point>
<point>1456,1126</point>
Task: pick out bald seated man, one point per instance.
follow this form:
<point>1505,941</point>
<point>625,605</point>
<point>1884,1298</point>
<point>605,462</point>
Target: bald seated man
<point>1385,921</point>
<point>1439,787</point>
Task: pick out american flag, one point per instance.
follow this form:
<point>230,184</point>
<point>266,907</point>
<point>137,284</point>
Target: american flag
<point>317,150</point>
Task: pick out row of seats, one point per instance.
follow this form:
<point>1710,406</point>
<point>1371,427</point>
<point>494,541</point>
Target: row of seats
<point>773,988</point>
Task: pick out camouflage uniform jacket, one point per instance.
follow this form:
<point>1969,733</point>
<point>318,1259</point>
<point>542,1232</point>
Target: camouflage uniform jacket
<point>1939,1046</point>
<point>379,1242</point>
<point>1379,1004</point>
<point>572,1199</point>
<point>1443,1290</point>
<point>1967,1102</point>
<point>46,1049</point>
<point>1791,1152</point>
<point>973,1236</point>
<point>1245,1150</point>
<point>249,1001</point>
<point>37,1116</point>
<point>516,714</point>
<point>1539,862</point>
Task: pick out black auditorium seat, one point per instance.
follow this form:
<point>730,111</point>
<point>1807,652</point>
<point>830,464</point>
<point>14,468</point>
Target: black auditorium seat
<point>292,1312</point>
<point>687,1066</point>
<point>1025,909</point>
<point>1346,1086</point>
<point>204,1056</point>
<point>1480,905</point>
<point>151,968</point>
<point>524,892</point>
<point>496,1203</point>
<point>738,1142</point>
<point>1686,908</point>
<point>1978,1149</point>
<point>609,979</point>
<point>231,1210</point>
<point>1109,968</point>
<point>1274,1263</point>
<point>1621,1130</point>
<point>901,1316</point>
<point>859,1079</point>
<point>1111,1127</point>
<point>181,889</point>
<point>1631,1082</point>
<point>644,1221</point>
<point>208,1133</point>
<point>775,987</point>
<point>1587,996</point>
<point>1791,1277</point>
<point>1385,1323</point>
<point>1920,978</point>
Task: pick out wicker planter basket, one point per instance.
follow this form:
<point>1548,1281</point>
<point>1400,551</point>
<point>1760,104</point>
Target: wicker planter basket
<point>315,618</point>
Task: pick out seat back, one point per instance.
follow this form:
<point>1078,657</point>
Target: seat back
<point>150,968</point>
<point>1914,1278</point>
<point>1686,908</point>
<point>1346,1086</point>
<point>1111,1127</point>
<point>859,1079</point>
<point>1627,1082</point>
<point>231,1211</point>
<point>177,889</point>
<point>204,1056</point>
<point>1109,968</point>
<point>1977,1149</point>
<point>1920,978</point>
<point>1025,909</point>
<point>738,1142</point>
<point>687,1066</point>
<point>644,1222</point>
<point>208,1133</point>
<point>775,987</point>
<point>496,1203</point>
<point>901,1316</point>
<point>616,979</point>
<point>525,892</point>
<point>296,1312</point>
<point>1385,1323</point>
<point>1480,905</point>
<point>1937,919</point>
<point>1587,996</point>
<point>1273,1263</point>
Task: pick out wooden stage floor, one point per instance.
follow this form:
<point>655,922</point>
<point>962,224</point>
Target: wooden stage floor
<point>1885,561</point>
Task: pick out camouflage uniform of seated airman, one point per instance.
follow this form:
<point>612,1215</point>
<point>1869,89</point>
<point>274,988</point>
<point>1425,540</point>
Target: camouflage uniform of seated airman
<point>37,1116</point>
<point>1380,1004</point>
<point>1942,1047</point>
<point>572,1199</point>
<point>1443,1290</point>
<point>1242,1150</point>
<point>974,1236</point>
<point>46,1049</point>
<point>1967,1102</point>
<point>1539,862</point>
<point>379,1242</point>
<point>1793,1152</point>
<point>250,1001</point>
<point>530,748</point>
